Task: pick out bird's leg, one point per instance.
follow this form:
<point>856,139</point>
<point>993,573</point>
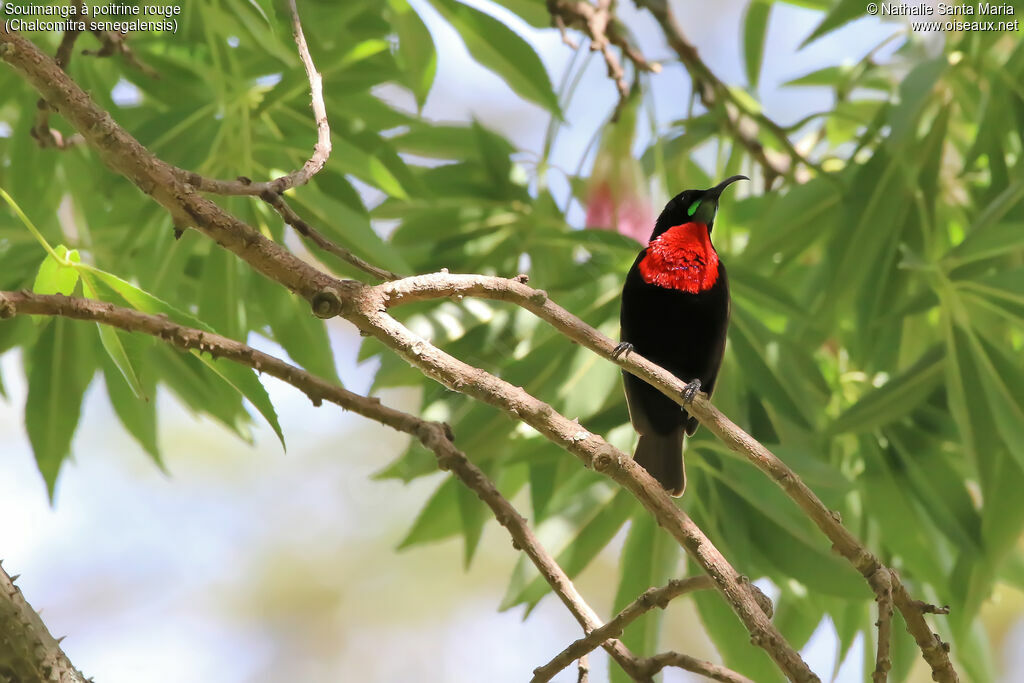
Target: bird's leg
<point>690,391</point>
<point>621,348</point>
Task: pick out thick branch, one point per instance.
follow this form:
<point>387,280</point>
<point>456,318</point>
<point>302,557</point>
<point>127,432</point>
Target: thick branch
<point>28,652</point>
<point>651,598</point>
<point>321,150</point>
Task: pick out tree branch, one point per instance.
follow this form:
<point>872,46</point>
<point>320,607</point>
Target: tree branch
<point>651,598</point>
<point>882,582</point>
<point>41,131</point>
<point>27,650</point>
<point>125,155</point>
<point>368,311</point>
<point>437,285</point>
<point>321,150</point>
<point>300,226</point>
<point>743,123</point>
<point>697,666</point>
<point>599,24</point>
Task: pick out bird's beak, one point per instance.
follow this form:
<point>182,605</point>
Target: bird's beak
<point>716,191</point>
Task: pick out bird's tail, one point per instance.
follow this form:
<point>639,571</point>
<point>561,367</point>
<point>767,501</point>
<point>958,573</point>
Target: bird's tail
<point>662,456</point>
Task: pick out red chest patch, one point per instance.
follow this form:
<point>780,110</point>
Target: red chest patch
<point>681,258</point>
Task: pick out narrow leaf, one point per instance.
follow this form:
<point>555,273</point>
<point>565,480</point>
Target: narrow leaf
<point>498,48</point>
<point>755,28</point>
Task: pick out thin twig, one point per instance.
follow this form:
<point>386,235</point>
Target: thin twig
<point>651,598</point>
<point>41,131</point>
<point>694,665</point>
<point>599,24</point>
<point>583,673</point>
<point>321,150</point>
<point>115,43</point>
<point>293,219</point>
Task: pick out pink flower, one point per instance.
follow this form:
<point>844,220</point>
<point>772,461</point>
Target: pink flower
<point>627,211</point>
<point>617,197</point>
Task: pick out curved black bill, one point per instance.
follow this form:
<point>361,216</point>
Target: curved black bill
<point>715,191</point>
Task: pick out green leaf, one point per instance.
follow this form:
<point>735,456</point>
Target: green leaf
<point>1003,381</point>
<point>841,14</point>
<point>296,329</point>
<point>896,398</point>
<point>243,379</point>
<point>138,416</point>
<point>440,517</point>
<point>498,48</point>
<point>416,55</point>
<point>797,617</point>
<point>110,338</point>
<point>649,559</point>
<point>996,239</point>
<point>219,293</point>
<point>829,76</point>
<point>589,540</point>
<point>56,278</point>
<point>533,12</point>
<point>61,367</point>
<point>755,28</point>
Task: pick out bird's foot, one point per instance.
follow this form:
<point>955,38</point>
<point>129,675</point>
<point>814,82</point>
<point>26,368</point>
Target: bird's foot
<point>621,348</point>
<point>690,391</point>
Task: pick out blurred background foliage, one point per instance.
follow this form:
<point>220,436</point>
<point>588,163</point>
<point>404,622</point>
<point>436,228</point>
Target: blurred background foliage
<point>878,292</point>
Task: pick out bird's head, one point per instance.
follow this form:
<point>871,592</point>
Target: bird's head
<point>693,206</point>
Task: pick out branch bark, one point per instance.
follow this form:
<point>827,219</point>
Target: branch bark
<point>697,666</point>
<point>321,150</point>
<point>651,598</point>
<point>27,650</point>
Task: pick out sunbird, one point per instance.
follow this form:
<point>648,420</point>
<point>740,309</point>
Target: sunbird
<point>675,313</point>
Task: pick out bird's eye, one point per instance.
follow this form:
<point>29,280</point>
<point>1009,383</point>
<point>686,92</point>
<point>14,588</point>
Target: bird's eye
<point>693,208</point>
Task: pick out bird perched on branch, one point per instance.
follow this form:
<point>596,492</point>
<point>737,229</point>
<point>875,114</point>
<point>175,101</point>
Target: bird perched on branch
<point>675,312</point>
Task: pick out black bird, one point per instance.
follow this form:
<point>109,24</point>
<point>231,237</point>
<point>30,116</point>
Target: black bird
<point>675,312</point>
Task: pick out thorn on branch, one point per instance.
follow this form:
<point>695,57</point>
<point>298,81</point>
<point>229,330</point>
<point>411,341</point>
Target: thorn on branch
<point>928,608</point>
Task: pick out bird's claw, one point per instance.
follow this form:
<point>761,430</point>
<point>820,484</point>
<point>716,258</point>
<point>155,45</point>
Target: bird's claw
<point>690,391</point>
<point>621,348</point>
